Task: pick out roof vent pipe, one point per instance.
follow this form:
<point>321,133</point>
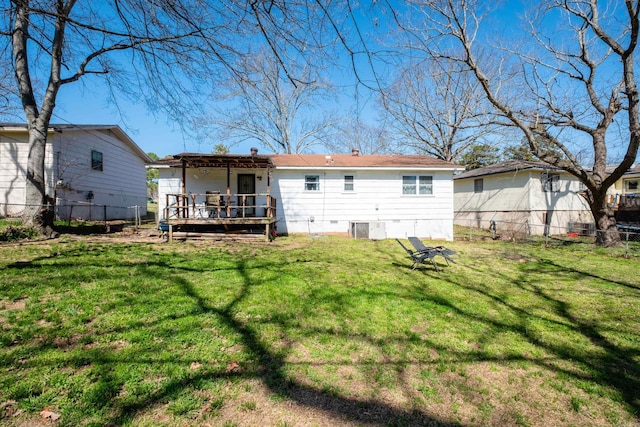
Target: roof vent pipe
<point>254,151</point>
<point>355,151</point>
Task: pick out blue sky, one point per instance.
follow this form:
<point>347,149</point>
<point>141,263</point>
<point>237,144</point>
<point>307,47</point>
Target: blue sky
<point>86,102</point>
<point>152,134</point>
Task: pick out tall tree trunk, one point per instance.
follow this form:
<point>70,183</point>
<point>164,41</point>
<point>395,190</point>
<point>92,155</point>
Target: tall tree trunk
<point>607,233</point>
<point>39,206</point>
<point>38,212</point>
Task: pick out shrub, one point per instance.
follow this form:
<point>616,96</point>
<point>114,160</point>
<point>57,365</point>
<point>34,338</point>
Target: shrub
<point>13,233</point>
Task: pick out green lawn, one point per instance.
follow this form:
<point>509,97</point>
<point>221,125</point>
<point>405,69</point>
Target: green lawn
<point>324,331</point>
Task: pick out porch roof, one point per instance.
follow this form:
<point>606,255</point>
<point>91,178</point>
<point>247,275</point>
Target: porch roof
<point>199,160</point>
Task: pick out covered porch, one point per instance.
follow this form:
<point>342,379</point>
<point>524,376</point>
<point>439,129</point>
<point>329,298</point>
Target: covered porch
<point>217,193</point>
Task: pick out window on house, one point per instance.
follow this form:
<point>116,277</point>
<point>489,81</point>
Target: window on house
<point>632,185</point>
<point>550,182</point>
<point>348,183</point>
<point>478,185</point>
<point>96,160</point>
<point>312,183</point>
<point>417,184</point>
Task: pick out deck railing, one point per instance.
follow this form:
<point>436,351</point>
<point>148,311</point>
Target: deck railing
<point>219,206</point>
<point>624,201</point>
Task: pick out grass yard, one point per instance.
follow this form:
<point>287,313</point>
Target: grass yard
<point>324,331</point>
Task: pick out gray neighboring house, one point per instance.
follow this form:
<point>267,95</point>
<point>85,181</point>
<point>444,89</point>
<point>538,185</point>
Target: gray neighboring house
<point>94,172</point>
<point>521,196</point>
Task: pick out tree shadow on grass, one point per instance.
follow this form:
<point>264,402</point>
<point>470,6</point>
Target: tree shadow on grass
<point>270,371</point>
<point>269,366</point>
<point>606,362</point>
<point>609,364</point>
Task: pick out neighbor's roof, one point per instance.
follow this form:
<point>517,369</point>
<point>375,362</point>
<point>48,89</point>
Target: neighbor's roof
<point>119,133</point>
<point>506,167</point>
<point>378,161</point>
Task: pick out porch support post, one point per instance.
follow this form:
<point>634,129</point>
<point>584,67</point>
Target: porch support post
<point>185,209</point>
<point>184,177</point>
<point>268,212</point>
<point>228,190</point>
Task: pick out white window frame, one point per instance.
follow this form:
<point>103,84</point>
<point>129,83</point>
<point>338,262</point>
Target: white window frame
<point>312,183</point>
<point>422,185</point>
<point>550,182</point>
<point>347,183</point>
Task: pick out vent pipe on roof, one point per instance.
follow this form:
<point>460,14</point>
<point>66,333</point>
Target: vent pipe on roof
<point>355,151</point>
<point>254,151</point>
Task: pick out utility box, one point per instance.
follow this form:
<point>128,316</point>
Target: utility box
<point>367,230</point>
<point>377,231</point>
<point>582,228</point>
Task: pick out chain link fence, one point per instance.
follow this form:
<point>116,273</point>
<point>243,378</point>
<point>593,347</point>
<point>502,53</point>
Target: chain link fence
<point>78,212</point>
<point>553,236</point>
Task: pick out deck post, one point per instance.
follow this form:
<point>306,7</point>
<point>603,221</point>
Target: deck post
<point>184,177</point>
<point>228,190</point>
<point>170,232</point>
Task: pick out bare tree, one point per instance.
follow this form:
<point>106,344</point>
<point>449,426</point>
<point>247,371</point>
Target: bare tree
<point>284,113</point>
<point>438,109</point>
<point>162,52</point>
<point>366,138</point>
<point>8,100</point>
<point>570,84</point>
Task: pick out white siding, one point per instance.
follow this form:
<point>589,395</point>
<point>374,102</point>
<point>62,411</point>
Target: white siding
<point>506,192</point>
<point>14,150</point>
<point>516,201</point>
<point>13,164</point>
<point>120,186</point>
<point>377,197</point>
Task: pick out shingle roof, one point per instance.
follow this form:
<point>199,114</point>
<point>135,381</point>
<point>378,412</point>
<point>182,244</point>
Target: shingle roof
<point>359,161</point>
<point>55,127</point>
<point>306,161</point>
<point>505,167</point>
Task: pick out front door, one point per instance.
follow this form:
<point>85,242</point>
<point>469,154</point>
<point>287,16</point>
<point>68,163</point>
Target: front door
<point>247,185</point>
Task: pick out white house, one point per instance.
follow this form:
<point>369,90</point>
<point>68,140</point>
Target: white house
<point>376,196</point>
<point>624,197</point>
<point>368,196</point>
<point>94,172</point>
<point>521,196</point>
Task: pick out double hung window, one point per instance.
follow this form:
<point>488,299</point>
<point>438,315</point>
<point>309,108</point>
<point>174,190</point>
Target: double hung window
<point>312,183</point>
<point>417,185</point>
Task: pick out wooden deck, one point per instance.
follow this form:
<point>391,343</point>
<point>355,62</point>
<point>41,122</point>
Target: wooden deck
<point>221,213</point>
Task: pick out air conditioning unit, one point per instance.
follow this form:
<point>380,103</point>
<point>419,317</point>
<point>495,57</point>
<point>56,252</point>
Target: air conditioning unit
<point>367,230</point>
<point>582,228</point>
